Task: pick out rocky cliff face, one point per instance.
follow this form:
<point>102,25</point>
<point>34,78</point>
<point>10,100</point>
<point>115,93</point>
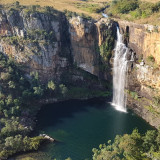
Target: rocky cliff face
<point>54,46</point>
<point>37,40</point>
<point>144,77</point>
<point>143,39</point>
<point>84,41</point>
<point>49,44</point>
<point>87,37</point>
<point>144,93</point>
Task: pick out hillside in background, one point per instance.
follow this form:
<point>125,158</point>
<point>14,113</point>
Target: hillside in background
<point>92,8</point>
<point>86,6</point>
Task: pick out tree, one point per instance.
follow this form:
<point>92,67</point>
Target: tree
<point>38,91</point>
<point>48,9</point>
<point>17,4</point>
<point>150,141</point>
<point>63,89</point>
<point>2,105</point>
<point>9,100</point>
<point>11,84</point>
<point>5,76</point>
<point>130,147</point>
<point>33,8</point>
<point>51,85</point>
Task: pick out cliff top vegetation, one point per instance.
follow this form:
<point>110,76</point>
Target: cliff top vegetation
<point>137,11</point>
<point>89,7</point>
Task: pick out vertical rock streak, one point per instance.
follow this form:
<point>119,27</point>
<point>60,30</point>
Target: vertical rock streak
<point>120,74</point>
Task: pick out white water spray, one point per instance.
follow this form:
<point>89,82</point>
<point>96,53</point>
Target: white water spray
<point>119,74</point>
<point>104,15</point>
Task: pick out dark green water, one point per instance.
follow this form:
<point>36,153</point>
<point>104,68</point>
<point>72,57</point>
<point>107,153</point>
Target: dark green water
<point>79,126</point>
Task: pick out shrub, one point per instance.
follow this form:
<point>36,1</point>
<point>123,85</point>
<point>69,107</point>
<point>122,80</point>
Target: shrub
<point>17,4</point>
<point>136,8</point>
<point>11,84</point>
<point>156,100</point>
<point>156,7</point>
<point>5,76</point>
<point>124,6</point>
<point>70,14</point>
<point>156,29</point>
<point>51,85</point>
<point>136,13</point>
<point>150,59</point>
<point>38,91</point>
<point>92,8</point>
<point>134,95</point>
<point>63,89</point>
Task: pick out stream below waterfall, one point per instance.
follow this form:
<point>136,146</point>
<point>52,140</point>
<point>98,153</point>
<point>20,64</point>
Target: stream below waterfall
<point>79,126</point>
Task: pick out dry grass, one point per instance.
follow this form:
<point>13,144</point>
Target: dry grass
<point>60,4</point>
<point>152,1</point>
<point>71,5</point>
<point>153,20</point>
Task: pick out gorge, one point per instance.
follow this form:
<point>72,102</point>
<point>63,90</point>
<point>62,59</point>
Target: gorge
<point>58,57</point>
<point>76,128</point>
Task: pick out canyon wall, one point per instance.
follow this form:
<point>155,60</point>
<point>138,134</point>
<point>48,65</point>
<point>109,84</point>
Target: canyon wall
<point>36,40</point>
<point>87,37</point>
<point>50,44</point>
<point>56,47</point>
<point>144,39</point>
<point>143,91</point>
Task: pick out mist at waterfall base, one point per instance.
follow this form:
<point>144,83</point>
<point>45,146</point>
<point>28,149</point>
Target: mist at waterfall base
<point>79,126</point>
<point>120,74</point>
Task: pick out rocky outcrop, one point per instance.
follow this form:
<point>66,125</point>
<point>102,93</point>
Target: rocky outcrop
<point>84,42</point>
<point>143,88</point>
<point>36,40</point>
<point>143,109</point>
<point>86,38</point>
<point>144,93</point>
<point>45,136</point>
<point>49,44</point>
<point>143,39</point>
<point>146,76</point>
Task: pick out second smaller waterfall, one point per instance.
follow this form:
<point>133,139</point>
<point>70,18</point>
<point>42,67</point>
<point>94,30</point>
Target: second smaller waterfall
<point>119,74</point>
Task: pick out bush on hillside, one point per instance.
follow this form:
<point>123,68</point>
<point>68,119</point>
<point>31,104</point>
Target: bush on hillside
<point>135,8</point>
<point>124,6</point>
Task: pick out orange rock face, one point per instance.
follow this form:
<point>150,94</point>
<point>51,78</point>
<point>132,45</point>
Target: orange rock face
<point>143,39</point>
<point>86,38</point>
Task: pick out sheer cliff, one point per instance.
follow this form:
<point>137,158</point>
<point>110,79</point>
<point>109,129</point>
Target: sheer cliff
<point>144,74</point>
<point>49,43</point>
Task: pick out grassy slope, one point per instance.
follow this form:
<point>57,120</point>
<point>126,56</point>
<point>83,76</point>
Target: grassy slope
<point>61,4</point>
<point>72,6</point>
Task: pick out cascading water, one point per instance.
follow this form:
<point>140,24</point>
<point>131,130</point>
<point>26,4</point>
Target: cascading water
<point>119,74</point>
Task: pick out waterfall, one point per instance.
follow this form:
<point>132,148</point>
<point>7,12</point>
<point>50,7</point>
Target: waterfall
<point>132,57</point>
<point>119,74</point>
<point>104,15</point>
